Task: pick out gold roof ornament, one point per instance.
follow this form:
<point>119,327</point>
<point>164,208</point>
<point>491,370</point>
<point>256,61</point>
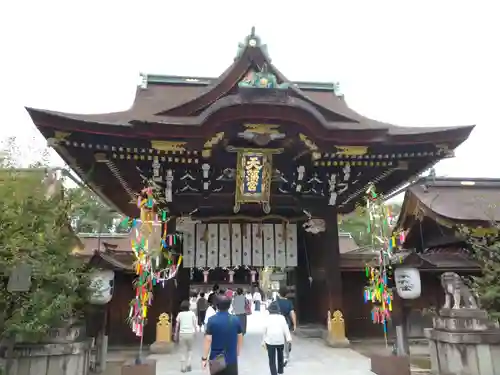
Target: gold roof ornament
<point>168,146</point>
<point>351,150</point>
<point>261,134</point>
<point>207,147</point>
<point>262,128</point>
<point>214,140</point>
<point>61,135</point>
<point>308,143</point>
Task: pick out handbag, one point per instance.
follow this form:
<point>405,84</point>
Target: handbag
<point>219,363</point>
<point>248,307</point>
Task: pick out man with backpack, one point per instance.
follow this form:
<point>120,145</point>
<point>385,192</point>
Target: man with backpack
<point>286,309</point>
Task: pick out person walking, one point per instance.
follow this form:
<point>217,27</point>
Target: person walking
<point>211,311</point>
<point>241,308</point>
<point>185,330</point>
<point>286,309</point>
<point>192,301</point>
<point>257,298</point>
<point>276,337</point>
<point>201,309</point>
<point>223,341</point>
<point>213,294</point>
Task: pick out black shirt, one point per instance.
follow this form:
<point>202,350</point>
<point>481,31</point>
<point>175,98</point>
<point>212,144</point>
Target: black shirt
<point>211,298</point>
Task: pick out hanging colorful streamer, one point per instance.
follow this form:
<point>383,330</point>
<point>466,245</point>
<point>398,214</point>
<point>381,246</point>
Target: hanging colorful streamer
<point>378,292</point>
<point>156,258</point>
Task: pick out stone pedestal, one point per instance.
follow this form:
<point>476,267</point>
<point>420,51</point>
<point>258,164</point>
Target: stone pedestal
<point>390,365</point>
<point>159,347</point>
<point>336,343</point>
<point>147,367</point>
<point>163,343</point>
<point>464,342</point>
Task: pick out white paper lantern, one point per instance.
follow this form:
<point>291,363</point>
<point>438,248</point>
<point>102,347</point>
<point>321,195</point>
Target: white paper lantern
<point>102,285</point>
<point>408,282</point>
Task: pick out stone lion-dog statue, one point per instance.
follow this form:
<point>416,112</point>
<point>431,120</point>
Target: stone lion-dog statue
<point>455,288</point>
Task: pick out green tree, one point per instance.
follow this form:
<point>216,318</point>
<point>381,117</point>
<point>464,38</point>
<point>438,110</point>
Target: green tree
<point>357,224</point>
<point>486,250</point>
<point>35,231</point>
<point>89,215</point>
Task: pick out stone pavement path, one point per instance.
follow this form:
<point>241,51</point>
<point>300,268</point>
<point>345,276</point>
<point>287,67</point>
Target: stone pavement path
<point>308,356</point>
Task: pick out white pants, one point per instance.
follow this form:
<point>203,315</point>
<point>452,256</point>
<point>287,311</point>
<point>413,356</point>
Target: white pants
<point>186,347</point>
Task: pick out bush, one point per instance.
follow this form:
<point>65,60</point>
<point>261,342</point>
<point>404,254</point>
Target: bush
<point>35,230</point>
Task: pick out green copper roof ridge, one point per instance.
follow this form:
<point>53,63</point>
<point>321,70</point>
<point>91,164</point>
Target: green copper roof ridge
<point>197,81</point>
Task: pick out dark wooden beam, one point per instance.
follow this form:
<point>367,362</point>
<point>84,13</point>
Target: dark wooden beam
<point>331,259</point>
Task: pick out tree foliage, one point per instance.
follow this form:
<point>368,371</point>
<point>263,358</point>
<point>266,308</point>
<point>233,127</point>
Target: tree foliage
<point>486,250</point>
<point>89,215</point>
<point>34,230</point>
<point>357,225</point>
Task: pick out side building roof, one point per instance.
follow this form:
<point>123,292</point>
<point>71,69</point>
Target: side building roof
<point>456,199</point>
<point>434,206</point>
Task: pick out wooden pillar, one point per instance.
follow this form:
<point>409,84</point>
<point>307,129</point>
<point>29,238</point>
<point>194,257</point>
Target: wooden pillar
<point>329,247</point>
<point>331,261</point>
<point>172,305</point>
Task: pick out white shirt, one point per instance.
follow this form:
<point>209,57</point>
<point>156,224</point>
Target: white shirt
<point>192,304</point>
<point>187,322</point>
<point>257,296</point>
<point>210,312</point>
<point>276,330</point>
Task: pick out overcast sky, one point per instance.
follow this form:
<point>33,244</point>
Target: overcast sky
<point>428,64</point>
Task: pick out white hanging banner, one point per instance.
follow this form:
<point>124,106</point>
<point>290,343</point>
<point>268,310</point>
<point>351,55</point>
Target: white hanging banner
<point>291,245</point>
<point>201,246</point>
<point>257,248</point>
<point>188,245</point>
<point>236,245</point>
<point>268,238</point>
<point>246,232</point>
<point>224,243</point>
<point>280,245</point>
<point>213,246</point>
